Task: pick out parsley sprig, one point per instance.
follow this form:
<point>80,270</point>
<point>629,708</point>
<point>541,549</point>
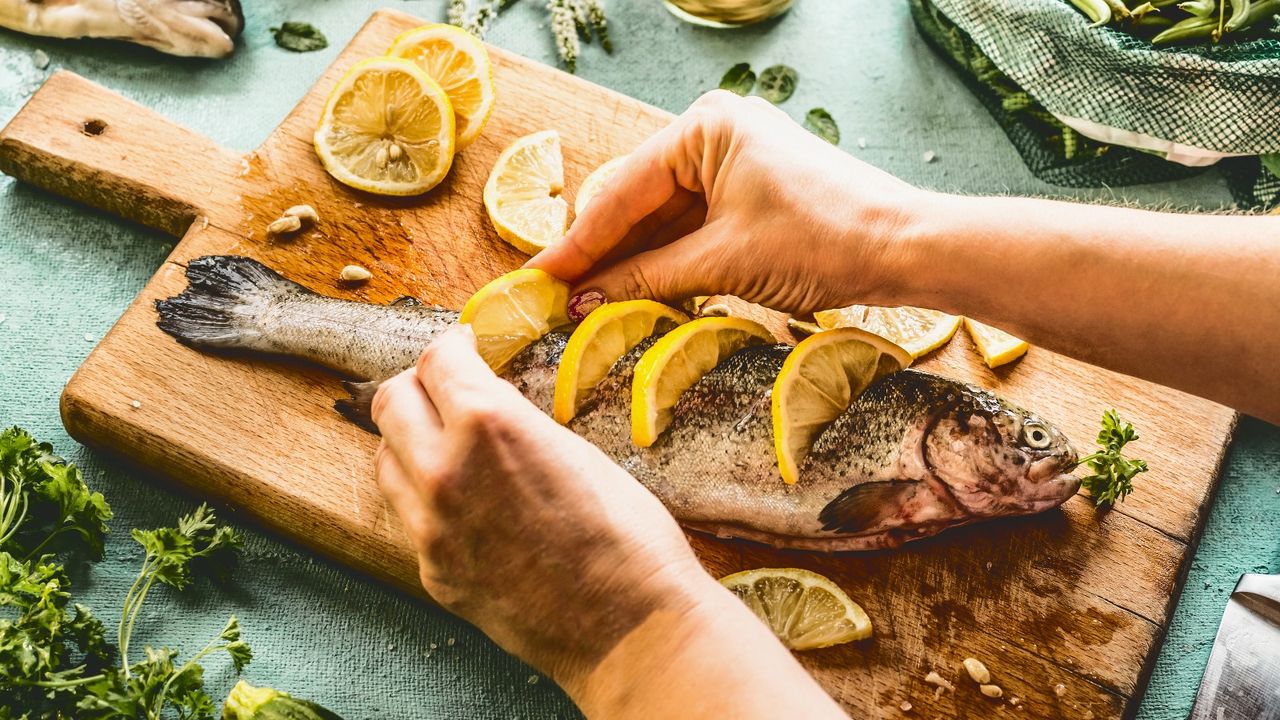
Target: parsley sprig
<point>54,657</point>
<point>1113,473</point>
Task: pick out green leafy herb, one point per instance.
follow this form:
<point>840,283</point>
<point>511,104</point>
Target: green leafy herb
<point>54,657</point>
<point>1113,473</point>
<point>738,79</point>
<point>820,123</point>
<point>299,37</point>
<point>777,83</point>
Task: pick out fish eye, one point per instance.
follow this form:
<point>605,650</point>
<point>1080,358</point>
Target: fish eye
<point>1036,436</point>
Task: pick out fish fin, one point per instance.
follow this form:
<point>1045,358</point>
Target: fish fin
<point>865,507</point>
<point>220,306</point>
<point>359,407</point>
<point>406,301</point>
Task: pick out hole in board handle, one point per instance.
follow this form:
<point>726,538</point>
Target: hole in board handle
<point>93,127</point>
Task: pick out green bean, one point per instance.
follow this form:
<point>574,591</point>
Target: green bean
<point>1239,14</point>
<point>1097,10</point>
<point>1153,22</point>
<point>1256,11</point>
<point>1193,28</point>
<point>1199,8</point>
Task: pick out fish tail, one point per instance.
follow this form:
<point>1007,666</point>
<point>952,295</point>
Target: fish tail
<point>222,304</point>
<point>359,407</point>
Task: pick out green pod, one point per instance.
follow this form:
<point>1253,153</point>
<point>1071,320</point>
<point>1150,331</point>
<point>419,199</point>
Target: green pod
<point>1239,14</point>
<point>1199,8</point>
<point>1254,11</point>
<point>1097,10</point>
<point>1193,28</point>
<point>246,702</point>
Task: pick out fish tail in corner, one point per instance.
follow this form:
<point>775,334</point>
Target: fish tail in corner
<point>221,305</point>
<point>359,407</point>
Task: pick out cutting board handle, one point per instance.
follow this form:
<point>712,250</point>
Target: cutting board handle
<point>79,139</point>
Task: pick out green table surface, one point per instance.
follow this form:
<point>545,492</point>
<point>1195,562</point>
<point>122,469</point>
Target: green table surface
<point>67,272</point>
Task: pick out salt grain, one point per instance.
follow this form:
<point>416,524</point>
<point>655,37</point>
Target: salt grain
<point>2,318</point>
<point>928,156</point>
<point>862,142</point>
<point>88,337</point>
<point>1060,690</point>
<point>135,404</point>
<point>906,706</point>
<point>41,59</point>
<point>450,642</point>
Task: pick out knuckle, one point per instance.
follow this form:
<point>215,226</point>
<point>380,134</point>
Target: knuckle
<point>717,100</point>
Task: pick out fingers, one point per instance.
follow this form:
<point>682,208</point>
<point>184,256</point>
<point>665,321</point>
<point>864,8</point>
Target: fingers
<point>670,273</point>
<point>405,416</point>
<point>456,378</point>
<point>670,160</point>
<point>402,494</point>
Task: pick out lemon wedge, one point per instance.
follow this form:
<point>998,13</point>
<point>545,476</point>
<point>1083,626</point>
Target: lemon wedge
<point>804,609</point>
<point>387,128</point>
<point>677,361</point>
<point>997,346</point>
<point>523,193</point>
<point>818,381</point>
<point>608,333</point>
<point>594,182</point>
<point>916,330</point>
<point>459,63</point>
<point>513,311</point>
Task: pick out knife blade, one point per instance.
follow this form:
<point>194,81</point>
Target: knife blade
<point>1242,679</point>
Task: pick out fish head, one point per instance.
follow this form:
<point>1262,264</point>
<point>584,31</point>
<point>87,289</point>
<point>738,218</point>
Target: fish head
<point>191,28</point>
<point>998,459</point>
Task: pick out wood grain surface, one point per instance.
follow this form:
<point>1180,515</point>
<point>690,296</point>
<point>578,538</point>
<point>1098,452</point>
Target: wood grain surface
<point>1074,597</point>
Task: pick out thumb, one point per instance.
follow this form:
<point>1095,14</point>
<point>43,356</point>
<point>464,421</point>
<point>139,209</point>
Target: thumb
<point>669,274</point>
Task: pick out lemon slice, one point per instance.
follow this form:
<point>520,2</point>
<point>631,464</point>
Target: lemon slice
<point>997,346</point>
<point>820,378</point>
<point>915,330</point>
<point>593,182</point>
<point>605,335</point>
<point>804,609</point>
<point>459,63</point>
<point>387,128</point>
<point>523,193</point>
<point>677,361</point>
<point>513,311</point>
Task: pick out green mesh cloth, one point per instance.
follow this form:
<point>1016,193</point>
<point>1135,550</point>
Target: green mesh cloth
<point>1028,60</point>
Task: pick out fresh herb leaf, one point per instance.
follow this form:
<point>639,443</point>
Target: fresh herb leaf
<point>738,79</point>
<point>777,83</point>
<point>44,504</point>
<point>1112,477</point>
<point>820,123</point>
<point>299,37</point>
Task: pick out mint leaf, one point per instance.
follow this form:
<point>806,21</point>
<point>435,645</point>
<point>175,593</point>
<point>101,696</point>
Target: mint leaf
<point>299,37</point>
<point>738,79</point>
<point>820,123</point>
<point>777,83</point>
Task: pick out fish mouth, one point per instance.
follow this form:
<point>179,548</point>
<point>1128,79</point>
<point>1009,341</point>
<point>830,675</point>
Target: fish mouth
<point>1051,493</point>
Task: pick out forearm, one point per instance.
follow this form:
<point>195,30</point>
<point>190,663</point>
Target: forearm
<point>714,661</point>
<point>1189,301</point>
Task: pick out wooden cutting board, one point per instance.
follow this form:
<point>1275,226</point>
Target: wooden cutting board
<point>1073,597</point>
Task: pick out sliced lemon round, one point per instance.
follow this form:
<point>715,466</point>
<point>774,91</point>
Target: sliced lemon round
<point>523,192</point>
<point>677,361</point>
<point>459,63</point>
<point>916,330</point>
<point>513,311</point>
<point>997,346</point>
<point>605,335</point>
<point>818,381</point>
<point>804,609</point>
<point>594,182</point>
<point>387,128</point>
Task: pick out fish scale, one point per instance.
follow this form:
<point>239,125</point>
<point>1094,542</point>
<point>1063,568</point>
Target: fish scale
<point>913,455</point>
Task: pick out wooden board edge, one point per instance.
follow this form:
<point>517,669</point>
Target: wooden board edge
<point>85,424</point>
<point>1180,579</point>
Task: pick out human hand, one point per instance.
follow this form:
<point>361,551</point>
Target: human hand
<point>735,198</point>
<point>520,526</point>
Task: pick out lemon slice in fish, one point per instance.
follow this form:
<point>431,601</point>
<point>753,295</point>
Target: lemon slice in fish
<point>916,330</point>
<point>677,361</point>
<point>804,609</point>
<point>459,63</point>
<point>387,128</point>
<point>523,193</point>
<point>594,182</point>
<point>608,333</point>
<point>997,346</point>
<point>819,379</point>
<point>513,311</point>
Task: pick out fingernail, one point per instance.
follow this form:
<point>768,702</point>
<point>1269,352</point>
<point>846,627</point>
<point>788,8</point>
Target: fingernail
<point>583,303</point>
